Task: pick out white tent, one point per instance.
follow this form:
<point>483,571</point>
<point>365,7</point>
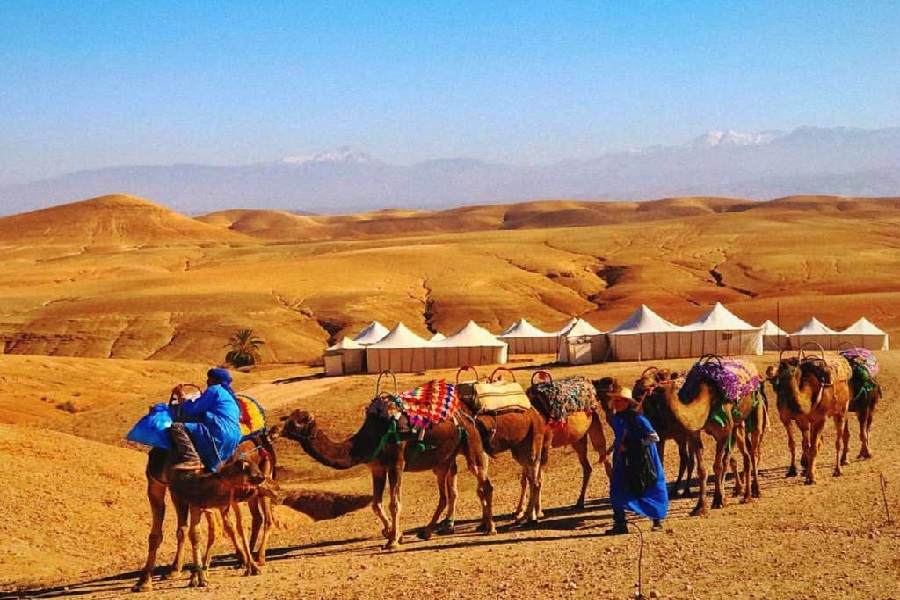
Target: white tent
<point>582,344</point>
<point>774,337</point>
<point>565,328</point>
<point>344,358</point>
<point>863,334</point>
<point>524,338</point>
<point>719,331</point>
<point>645,336</point>
<point>438,337</point>
<point>814,332</point>
<point>472,345</point>
<point>400,351</point>
<point>371,333</point>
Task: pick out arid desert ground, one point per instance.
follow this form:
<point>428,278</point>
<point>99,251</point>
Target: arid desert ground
<point>107,304</point>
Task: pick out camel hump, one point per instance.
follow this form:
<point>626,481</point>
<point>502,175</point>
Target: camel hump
<point>498,395</point>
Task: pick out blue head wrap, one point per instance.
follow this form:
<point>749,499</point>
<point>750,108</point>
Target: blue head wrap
<point>223,377</point>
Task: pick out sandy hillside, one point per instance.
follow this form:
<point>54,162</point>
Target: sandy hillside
<point>81,521</point>
<point>126,278</point>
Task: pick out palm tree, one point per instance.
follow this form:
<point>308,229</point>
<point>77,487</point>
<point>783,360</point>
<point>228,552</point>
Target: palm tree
<point>244,349</point>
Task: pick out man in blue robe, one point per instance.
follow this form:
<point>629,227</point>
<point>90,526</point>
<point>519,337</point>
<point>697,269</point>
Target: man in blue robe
<point>654,502</point>
<point>209,429</point>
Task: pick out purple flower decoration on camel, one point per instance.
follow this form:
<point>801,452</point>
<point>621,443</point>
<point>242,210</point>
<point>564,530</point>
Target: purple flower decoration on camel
<point>734,378</point>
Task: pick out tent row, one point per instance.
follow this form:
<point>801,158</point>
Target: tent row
<point>644,335</point>
<point>402,351</point>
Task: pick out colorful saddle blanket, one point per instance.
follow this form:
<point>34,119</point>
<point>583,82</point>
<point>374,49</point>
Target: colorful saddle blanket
<point>429,404</point>
<point>253,416</point>
<point>565,397</point>
<point>861,358</point>
<point>734,378</point>
<point>836,368</point>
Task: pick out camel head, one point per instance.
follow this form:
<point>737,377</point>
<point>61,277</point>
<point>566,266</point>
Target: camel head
<point>241,473</point>
<point>787,369</point>
<point>606,387</point>
<point>299,425</point>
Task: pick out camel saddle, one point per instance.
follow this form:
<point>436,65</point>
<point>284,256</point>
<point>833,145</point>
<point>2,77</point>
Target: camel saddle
<point>493,397</point>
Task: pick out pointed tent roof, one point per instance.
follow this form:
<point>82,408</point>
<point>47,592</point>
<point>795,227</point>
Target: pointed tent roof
<point>400,337</point>
<point>438,337</point>
<point>345,344</point>
<point>581,327</point>
<point>471,335</point>
<point>718,317</point>
<point>523,328</point>
<point>812,327</point>
<point>863,327</point>
<point>565,328</point>
<point>770,328</point>
<point>372,333</point>
<point>643,320</point>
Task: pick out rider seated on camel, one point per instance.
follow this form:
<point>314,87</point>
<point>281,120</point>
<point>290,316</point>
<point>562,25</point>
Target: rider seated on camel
<point>207,430</point>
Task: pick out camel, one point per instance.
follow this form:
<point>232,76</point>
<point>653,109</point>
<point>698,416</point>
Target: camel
<point>865,392</point>
<point>510,427</point>
<point>579,426</point>
<point>809,390</point>
<point>650,404</point>
<point>741,418</point>
<point>238,480</point>
<point>388,453</point>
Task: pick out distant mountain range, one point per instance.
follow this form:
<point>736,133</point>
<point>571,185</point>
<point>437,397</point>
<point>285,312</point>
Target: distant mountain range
<point>763,165</point>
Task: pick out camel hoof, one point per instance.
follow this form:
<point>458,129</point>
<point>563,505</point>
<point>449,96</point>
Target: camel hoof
<point>392,545</point>
<point>142,586</point>
<point>844,462</point>
<point>580,504</point>
<point>754,491</point>
<point>837,473</point>
<point>700,511</point>
<point>809,482</point>
<point>425,534</point>
<point>492,530</point>
<point>792,471</point>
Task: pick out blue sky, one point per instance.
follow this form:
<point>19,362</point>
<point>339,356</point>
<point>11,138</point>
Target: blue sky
<point>89,83</point>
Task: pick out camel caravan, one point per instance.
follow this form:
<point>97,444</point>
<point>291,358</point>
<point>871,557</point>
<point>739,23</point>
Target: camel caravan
<point>480,417</point>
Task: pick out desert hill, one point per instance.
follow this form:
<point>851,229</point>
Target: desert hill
<point>116,220</point>
<point>303,281</point>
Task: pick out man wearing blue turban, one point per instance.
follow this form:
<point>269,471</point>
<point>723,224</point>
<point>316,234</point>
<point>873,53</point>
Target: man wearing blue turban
<point>209,429</point>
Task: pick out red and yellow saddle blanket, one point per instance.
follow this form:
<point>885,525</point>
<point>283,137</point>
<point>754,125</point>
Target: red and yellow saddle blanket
<point>429,404</point>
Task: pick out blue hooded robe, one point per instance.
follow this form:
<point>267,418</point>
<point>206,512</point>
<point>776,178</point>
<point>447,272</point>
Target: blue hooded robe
<point>213,422</point>
<point>655,501</point>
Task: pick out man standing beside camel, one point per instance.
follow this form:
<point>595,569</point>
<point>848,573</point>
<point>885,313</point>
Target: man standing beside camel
<point>629,488</point>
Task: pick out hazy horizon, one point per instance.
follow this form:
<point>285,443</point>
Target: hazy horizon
<point>104,85</point>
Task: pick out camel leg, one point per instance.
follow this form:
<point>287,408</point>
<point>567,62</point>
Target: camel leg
<point>865,424</point>
<point>806,447</point>
<point>441,473</point>
<point>814,444</point>
<point>598,441</point>
<point>701,509</point>
<point>523,496</point>
<point>199,576</point>
<point>786,419</point>
<point>844,434</point>
<point>379,480</point>
<point>251,567</point>
<point>156,495</point>
<point>840,443</point>
<point>743,478</point>
<point>181,534</point>
<point>211,533</point>
<point>719,469</point>
<point>682,464</point>
<point>395,478</point>
<point>755,440</point>
<point>257,520</point>
<point>581,450</point>
<point>264,507</point>
<point>452,494</point>
<point>228,526</point>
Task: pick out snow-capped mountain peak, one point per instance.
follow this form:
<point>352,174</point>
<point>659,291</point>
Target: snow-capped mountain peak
<point>712,139</point>
<point>342,155</point>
